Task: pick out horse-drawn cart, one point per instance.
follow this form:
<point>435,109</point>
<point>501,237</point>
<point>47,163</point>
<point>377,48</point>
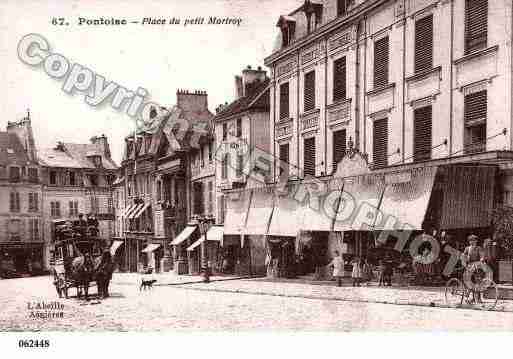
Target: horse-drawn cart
<point>80,258</point>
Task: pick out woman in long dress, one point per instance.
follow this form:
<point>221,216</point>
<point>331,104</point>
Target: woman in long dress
<point>357,272</point>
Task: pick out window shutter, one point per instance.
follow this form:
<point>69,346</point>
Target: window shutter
<point>339,147</point>
<point>239,127</point>
<point>284,101</point>
<point>309,95</point>
<point>339,79</point>
<point>422,134</point>
<point>381,62</point>
<point>424,44</point>
<point>17,201</point>
<point>476,25</point>
<point>36,202</point>
<point>475,107</point>
<point>309,156</point>
<point>225,131</point>
<point>380,142</point>
<point>341,7</point>
<point>284,158</point>
<point>11,202</point>
<point>240,165</point>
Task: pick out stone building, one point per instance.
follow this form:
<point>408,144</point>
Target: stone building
<point>243,137</point>
<point>156,179</point>
<point>22,244</point>
<point>402,108</point>
<point>78,178</point>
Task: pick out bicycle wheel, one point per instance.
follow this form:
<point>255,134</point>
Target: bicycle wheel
<point>488,294</point>
<point>454,292</point>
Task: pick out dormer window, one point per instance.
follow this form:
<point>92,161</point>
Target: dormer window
<point>287,25</point>
<point>96,160</point>
<point>313,13</point>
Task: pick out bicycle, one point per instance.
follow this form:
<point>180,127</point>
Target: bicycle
<point>484,293</point>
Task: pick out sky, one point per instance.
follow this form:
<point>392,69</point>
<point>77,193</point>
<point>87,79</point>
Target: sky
<point>158,58</point>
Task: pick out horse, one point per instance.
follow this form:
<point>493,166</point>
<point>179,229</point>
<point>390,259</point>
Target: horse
<point>81,272</point>
<point>103,269</point>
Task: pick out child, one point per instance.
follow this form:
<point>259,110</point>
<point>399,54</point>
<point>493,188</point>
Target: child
<point>357,272</point>
<point>366,272</point>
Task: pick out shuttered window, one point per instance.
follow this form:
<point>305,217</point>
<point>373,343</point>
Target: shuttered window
<point>224,166</point>
<point>309,156</point>
<point>239,128</point>
<point>225,131</point>
<point>380,142</point>
<point>475,108</point>
<point>198,198</point>
<point>476,25</point>
<point>381,62</point>
<point>284,158</point>
<point>424,44</point>
<point>284,101</point>
<point>339,147</point>
<point>339,79</point>
<point>240,165</point>
<point>309,95</point>
<point>422,134</point>
<point>14,202</point>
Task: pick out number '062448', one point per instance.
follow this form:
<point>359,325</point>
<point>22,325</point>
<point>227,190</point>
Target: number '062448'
<point>33,343</point>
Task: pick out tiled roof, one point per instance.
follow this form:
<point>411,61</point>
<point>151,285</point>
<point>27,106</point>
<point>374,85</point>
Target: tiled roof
<point>244,103</point>
<point>11,150</point>
<point>74,155</point>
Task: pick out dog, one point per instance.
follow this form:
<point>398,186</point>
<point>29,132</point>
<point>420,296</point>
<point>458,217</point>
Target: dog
<point>147,284</point>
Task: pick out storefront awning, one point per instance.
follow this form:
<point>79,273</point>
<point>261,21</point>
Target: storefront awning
<point>468,196</point>
<point>140,210</point>
<point>237,205</point>
<point>314,215</point>
<point>186,233</point>
<point>287,216</point>
<point>150,248</point>
<point>127,210</point>
<point>358,207</point>
<point>259,211</point>
<point>215,233</point>
<point>136,209</point>
<point>114,247</point>
<point>406,198</point>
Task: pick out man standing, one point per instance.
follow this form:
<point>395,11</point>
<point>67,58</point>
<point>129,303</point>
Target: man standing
<point>338,268</point>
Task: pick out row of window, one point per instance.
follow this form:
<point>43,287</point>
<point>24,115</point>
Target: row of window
<point>239,166</point>
<point>55,207</point>
<point>17,173</point>
<point>15,228</point>
<point>475,109</point>
<point>14,202</point>
<point>476,29</point>
<point>200,158</point>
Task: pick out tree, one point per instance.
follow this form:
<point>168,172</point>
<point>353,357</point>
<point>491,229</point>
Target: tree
<point>502,224</point>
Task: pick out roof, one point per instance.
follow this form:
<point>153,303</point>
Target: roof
<point>254,99</point>
<point>12,150</point>
<point>74,155</point>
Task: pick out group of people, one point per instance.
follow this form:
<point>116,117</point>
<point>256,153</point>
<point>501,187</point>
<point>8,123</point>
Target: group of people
<point>361,271</point>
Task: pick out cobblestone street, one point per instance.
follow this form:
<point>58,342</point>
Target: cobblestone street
<point>183,308</point>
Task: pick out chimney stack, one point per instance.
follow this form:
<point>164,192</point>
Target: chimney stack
<point>249,78</point>
<point>194,101</point>
<point>102,144</point>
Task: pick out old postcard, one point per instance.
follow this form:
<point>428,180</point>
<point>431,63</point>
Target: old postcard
<point>227,165</point>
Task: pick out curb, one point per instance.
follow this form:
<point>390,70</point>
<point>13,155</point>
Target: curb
<point>341,299</point>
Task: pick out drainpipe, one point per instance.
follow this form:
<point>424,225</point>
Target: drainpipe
<point>451,67</point>
<point>274,123</point>
<point>326,108</point>
<point>298,120</point>
<point>403,105</point>
<point>364,117</point>
<point>357,88</point>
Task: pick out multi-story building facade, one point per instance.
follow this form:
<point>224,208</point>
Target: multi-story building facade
<point>22,245</point>
<point>242,135</point>
<point>77,179</point>
<point>155,180</point>
<point>405,105</point>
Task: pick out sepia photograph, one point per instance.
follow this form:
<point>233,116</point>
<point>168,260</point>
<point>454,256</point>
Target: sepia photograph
<point>255,165</point>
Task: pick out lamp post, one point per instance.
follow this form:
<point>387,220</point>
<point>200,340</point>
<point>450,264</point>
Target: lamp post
<point>204,223</point>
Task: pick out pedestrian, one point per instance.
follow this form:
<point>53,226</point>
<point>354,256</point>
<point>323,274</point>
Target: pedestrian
<point>388,271</point>
<point>357,272</point>
<point>366,272</point>
<point>381,270</point>
<point>338,268</point>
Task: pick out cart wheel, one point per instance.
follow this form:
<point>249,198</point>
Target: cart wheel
<point>488,294</point>
<point>454,292</point>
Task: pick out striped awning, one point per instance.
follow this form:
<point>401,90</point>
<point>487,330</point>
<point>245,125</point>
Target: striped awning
<point>405,202</point>
<point>114,247</point>
<point>287,216</point>
<point>127,210</point>
<point>186,233</point>
<point>140,210</point>
<point>135,210</point>
<point>150,247</point>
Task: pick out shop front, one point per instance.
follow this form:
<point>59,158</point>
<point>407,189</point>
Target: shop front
<point>212,242</point>
<point>183,260</point>
<point>21,259</point>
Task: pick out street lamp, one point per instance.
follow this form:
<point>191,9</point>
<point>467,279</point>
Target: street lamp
<point>204,223</point>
